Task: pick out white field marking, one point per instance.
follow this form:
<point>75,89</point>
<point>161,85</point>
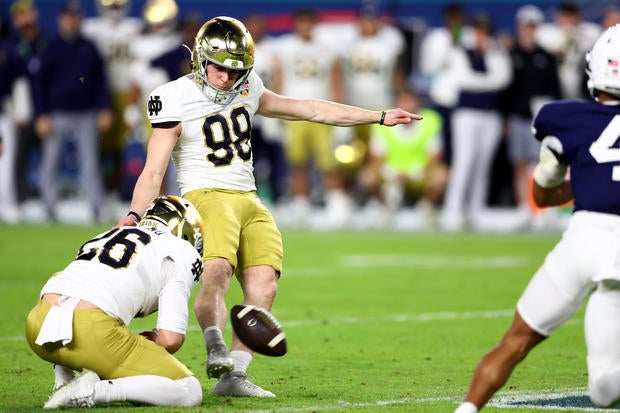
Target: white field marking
<point>401,318</point>
<point>13,338</point>
<point>500,402</point>
<point>345,404</point>
<point>436,261</point>
<point>353,262</point>
<point>398,318</point>
<point>509,400</point>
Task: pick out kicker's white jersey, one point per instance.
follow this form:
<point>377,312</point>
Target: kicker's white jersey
<point>113,39</point>
<point>306,67</point>
<point>368,66</point>
<point>130,272</point>
<point>214,149</point>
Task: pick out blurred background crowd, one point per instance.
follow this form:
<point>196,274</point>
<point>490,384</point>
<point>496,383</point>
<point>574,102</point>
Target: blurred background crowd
<point>74,77</point>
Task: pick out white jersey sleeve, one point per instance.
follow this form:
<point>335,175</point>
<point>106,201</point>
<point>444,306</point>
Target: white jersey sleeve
<point>173,298</point>
<point>120,271</point>
<point>214,149</point>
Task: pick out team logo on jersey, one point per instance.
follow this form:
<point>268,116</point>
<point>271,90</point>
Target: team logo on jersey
<point>245,89</point>
<point>197,269</point>
<point>154,105</point>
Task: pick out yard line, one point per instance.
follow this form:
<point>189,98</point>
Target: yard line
<point>394,318</point>
<point>507,400</point>
<point>345,404</point>
<point>13,338</point>
<point>574,400</point>
<point>418,261</point>
<point>399,318</point>
<point>433,261</point>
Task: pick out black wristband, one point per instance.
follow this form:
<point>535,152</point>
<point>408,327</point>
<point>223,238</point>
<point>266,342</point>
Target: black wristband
<point>382,117</point>
<point>135,215</point>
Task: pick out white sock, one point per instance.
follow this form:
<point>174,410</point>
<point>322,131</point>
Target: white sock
<point>150,389</point>
<point>62,375</point>
<point>212,335</point>
<point>467,407</point>
<point>241,360</point>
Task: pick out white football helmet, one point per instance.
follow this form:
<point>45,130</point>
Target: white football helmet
<point>225,42</point>
<point>603,63</point>
<point>113,9</point>
<point>176,215</point>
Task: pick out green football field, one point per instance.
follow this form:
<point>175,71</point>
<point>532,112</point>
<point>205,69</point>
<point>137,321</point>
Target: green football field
<point>375,322</point>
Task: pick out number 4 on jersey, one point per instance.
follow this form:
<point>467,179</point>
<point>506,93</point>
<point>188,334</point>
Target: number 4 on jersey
<point>603,149</point>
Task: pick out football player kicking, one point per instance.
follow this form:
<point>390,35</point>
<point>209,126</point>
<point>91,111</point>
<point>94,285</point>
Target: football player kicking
<point>81,320</point>
<point>204,121</point>
<point>582,135</point>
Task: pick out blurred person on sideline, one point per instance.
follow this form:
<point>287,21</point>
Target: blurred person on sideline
<point>406,161</point>
<point>15,108</point>
<point>309,68</point>
<point>436,64</point>
<point>483,72</point>
<point>160,35</point>
<point>579,135</point>
<point>534,82</point>
<point>29,42</point>
<point>72,100</point>
<point>82,317</point>
<point>204,121</point>
<point>270,165</point>
<point>371,79</point>
<point>113,30</point>
<point>569,37</point>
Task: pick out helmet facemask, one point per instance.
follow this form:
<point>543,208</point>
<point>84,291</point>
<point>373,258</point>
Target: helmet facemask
<point>225,42</point>
<point>177,216</point>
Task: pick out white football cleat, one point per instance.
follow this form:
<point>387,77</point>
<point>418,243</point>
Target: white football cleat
<point>79,392</point>
<point>236,384</point>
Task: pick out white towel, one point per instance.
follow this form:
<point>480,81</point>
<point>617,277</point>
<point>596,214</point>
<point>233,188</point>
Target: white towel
<point>58,324</point>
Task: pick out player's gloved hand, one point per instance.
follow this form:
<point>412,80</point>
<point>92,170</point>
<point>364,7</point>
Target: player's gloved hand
<point>551,168</point>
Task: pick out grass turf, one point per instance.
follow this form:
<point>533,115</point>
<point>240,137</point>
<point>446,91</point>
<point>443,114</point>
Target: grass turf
<point>375,322</point>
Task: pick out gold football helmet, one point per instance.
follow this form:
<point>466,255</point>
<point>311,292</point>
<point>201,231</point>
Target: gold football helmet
<point>114,9</point>
<point>161,13</point>
<point>226,42</point>
<point>176,215</point>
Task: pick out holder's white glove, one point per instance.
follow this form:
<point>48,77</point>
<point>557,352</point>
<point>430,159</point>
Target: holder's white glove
<point>551,169</point>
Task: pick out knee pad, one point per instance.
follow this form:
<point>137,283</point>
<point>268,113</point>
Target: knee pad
<point>193,391</point>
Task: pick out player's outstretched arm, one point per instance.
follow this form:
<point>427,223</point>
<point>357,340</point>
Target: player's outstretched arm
<point>330,113</point>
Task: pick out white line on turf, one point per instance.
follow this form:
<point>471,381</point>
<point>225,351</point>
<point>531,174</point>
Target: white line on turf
<point>436,261</point>
<point>394,318</point>
<point>354,262</point>
<point>507,400</point>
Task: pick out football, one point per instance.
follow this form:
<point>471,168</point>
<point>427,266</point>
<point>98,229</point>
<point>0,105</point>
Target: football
<point>258,329</point>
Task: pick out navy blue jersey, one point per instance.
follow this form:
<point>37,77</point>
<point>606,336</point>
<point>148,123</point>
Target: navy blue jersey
<point>590,135</point>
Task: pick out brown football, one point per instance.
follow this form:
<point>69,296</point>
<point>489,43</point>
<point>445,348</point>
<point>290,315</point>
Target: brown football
<point>258,329</point>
